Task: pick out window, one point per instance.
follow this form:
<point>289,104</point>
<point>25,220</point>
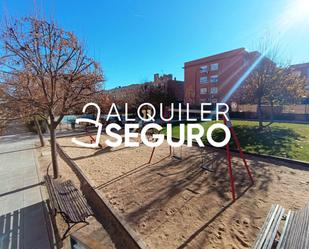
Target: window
<point>203,90</point>
<point>214,67</point>
<point>214,90</point>
<point>214,78</point>
<point>204,79</point>
<point>203,69</point>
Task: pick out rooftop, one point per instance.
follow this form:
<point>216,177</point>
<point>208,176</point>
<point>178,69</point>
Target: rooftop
<point>216,56</point>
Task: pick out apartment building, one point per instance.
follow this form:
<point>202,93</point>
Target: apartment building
<point>211,78</point>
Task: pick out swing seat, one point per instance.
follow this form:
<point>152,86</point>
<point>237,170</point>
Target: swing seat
<point>207,168</point>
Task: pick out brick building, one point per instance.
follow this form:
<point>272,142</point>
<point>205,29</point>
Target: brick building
<point>302,70</point>
<point>209,79</point>
<point>166,82</point>
<point>170,85</point>
<point>126,94</point>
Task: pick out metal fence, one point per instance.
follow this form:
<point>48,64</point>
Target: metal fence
<point>292,109</point>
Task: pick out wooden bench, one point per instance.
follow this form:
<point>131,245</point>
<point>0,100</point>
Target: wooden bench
<point>67,200</point>
<point>295,233</point>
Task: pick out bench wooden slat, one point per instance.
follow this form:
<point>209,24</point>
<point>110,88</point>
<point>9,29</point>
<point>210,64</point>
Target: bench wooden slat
<point>67,208</point>
<point>301,233</point>
<point>274,228</point>
<point>307,219</point>
<point>72,195</point>
<point>67,200</point>
<point>285,230</point>
<point>296,231</point>
<point>52,197</point>
<point>81,208</point>
<point>64,204</point>
<point>81,203</point>
<point>269,229</point>
<point>292,226</point>
<point>260,238</point>
<point>306,232</point>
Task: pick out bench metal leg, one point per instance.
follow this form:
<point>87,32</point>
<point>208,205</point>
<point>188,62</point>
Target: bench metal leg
<point>71,226</point>
<point>67,231</point>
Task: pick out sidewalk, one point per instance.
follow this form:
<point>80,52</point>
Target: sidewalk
<point>23,224</point>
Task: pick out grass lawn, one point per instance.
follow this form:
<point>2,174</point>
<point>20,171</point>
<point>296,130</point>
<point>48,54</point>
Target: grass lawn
<point>278,139</point>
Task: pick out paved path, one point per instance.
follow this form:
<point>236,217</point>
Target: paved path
<point>23,224</point>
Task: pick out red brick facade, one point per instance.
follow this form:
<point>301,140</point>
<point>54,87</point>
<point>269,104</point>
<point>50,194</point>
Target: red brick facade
<point>209,79</point>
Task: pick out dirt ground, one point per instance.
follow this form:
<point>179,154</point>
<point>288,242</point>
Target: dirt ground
<point>174,203</point>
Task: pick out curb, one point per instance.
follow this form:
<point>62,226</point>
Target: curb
<point>278,158</point>
<point>269,157</point>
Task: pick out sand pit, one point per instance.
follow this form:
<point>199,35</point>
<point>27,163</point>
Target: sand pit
<point>176,204</point>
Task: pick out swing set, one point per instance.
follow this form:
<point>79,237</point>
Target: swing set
<point>228,123</point>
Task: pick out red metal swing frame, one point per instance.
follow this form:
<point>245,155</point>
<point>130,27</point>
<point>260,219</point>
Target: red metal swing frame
<point>228,123</point>
<point>92,139</point>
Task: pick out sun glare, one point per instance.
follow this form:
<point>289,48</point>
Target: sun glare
<point>302,8</point>
<point>295,13</point>
<point>298,11</point>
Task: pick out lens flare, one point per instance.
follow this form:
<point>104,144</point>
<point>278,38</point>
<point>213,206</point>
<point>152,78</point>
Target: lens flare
<point>297,12</point>
<point>302,8</point>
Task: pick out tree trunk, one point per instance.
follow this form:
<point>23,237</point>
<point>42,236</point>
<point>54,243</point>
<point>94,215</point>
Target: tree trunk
<point>39,130</point>
<point>259,110</point>
<point>271,111</point>
<point>53,149</point>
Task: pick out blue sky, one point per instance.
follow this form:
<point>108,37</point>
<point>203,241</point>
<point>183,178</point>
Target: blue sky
<point>133,39</point>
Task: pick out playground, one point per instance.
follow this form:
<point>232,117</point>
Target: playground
<point>182,198</point>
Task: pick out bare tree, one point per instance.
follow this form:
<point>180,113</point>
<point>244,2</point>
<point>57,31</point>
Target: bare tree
<point>155,95</point>
<point>287,87</point>
<point>16,107</point>
<point>4,112</point>
<point>257,86</point>
<point>104,100</point>
<point>271,83</point>
<point>45,68</point>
